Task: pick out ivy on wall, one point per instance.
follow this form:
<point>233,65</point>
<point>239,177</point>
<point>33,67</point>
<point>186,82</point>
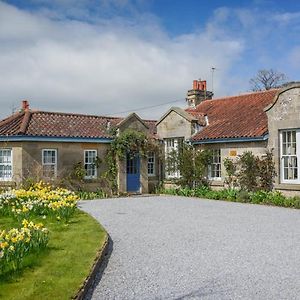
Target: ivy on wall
<point>130,142</point>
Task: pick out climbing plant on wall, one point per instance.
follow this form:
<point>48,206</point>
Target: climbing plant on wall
<point>131,142</point>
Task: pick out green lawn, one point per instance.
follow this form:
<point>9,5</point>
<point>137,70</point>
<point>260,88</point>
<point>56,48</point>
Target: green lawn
<point>58,271</point>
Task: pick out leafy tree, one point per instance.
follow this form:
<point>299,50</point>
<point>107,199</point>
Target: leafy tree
<point>192,165</point>
<point>267,79</point>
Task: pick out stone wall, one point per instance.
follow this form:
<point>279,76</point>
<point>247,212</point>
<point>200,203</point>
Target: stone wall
<point>27,160</point>
<point>232,150</point>
<point>283,114</point>
<point>174,125</point>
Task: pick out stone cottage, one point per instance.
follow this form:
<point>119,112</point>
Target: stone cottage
<point>47,145</point>
<point>229,126</point>
<point>51,143</point>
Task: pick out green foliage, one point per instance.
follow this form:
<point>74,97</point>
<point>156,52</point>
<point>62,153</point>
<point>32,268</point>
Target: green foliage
<point>84,195</point>
<point>202,159</point>
<point>248,171</point>
<point>57,271</point>
<point>266,167</point>
<point>192,165</point>
<point>258,197</point>
<point>172,162</point>
<point>78,171</point>
<point>129,141</point>
<point>243,196</point>
<point>230,168</point>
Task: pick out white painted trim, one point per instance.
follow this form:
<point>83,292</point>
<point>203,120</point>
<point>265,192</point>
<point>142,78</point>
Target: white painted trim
<point>96,171</point>
<point>281,165</point>
<point>56,160</point>
<point>12,174</point>
<point>154,163</point>
<point>210,169</point>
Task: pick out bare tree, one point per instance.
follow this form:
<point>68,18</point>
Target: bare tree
<point>267,79</point>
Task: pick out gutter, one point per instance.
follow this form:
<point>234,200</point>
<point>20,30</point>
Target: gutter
<point>231,140</point>
<point>27,138</point>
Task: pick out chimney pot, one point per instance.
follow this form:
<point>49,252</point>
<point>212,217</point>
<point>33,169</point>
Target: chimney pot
<point>195,84</point>
<point>199,93</point>
<point>25,105</point>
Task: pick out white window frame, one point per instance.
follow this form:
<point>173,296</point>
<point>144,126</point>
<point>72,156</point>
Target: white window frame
<point>90,163</point>
<point>50,164</point>
<point>210,168</point>
<point>151,162</point>
<point>296,155</point>
<point>5,164</point>
<point>175,146</point>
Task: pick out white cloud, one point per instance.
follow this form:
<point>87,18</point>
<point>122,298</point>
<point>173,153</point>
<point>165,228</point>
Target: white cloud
<point>106,66</point>
<point>287,17</point>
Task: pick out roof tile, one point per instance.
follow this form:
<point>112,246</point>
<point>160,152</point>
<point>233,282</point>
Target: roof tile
<point>53,124</point>
<point>235,117</point>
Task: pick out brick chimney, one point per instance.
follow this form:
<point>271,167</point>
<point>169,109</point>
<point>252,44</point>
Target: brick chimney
<point>198,93</point>
<point>25,105</point>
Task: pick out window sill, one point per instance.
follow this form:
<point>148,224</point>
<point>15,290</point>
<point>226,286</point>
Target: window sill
<point>287,186</point>
<point>216,182</point>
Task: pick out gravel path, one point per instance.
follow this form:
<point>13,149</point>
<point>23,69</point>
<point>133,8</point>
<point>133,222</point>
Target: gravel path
<point>185,248</point>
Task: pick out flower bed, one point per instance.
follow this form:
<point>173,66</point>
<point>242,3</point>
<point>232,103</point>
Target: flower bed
<point>16,243</point>
<point>39,200</point>
<point>260,197</point>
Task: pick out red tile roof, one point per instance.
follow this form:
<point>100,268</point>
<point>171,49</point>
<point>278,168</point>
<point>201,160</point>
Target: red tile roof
<point>54,124</point>
<point>235,117</point>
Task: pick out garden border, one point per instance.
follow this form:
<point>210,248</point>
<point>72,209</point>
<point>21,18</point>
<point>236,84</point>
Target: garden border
<point>92,277</point>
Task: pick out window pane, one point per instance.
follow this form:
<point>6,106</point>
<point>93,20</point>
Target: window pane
<point>151,162</point>
<point>89,163</point>
<point>5,164</point>
<point>49,163</point>
<point>214,169</point>
<point>289,155</point>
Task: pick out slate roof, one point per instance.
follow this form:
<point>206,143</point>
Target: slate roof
<point>241,116</point>
<point>55,124</point>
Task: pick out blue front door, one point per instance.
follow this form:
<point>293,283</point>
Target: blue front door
<point>133,173</point>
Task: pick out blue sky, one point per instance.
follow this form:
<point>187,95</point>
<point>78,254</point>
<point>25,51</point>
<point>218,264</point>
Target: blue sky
<point>110,56</point>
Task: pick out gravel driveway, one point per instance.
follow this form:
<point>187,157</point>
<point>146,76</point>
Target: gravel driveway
<point>185,248</point>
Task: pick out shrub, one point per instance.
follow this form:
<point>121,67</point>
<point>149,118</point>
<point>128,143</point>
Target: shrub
<point>230,168</point>
<point>258,197</point>
<point>192,165</point>
<point>266,169</point>
<point>248,171</point>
